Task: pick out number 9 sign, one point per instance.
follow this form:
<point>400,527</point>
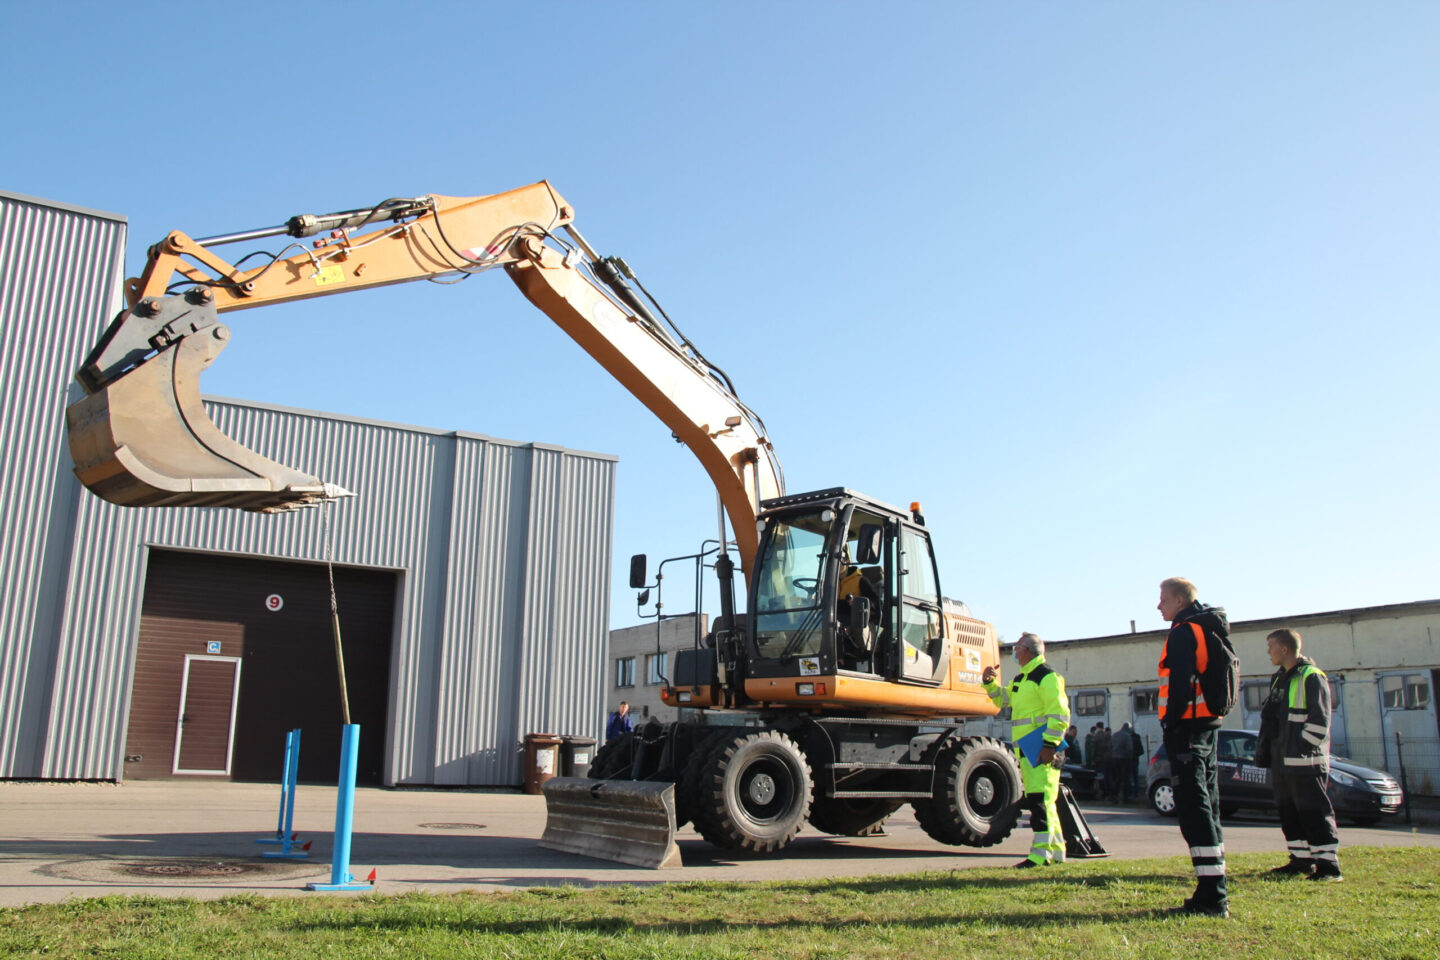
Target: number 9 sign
<point>274,603</point>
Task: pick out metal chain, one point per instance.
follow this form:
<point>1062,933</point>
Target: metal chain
<point>335,613</point>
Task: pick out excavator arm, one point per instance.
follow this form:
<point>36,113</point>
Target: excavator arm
<point>141,436</point>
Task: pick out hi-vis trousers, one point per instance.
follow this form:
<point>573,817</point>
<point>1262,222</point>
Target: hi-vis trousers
<point>1042,789</point>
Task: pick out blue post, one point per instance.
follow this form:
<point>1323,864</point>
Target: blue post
<point>280,831</point>
<point>287,803</point>
<point>340,876</point>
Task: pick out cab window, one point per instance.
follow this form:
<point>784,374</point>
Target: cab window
<point>787,596</point>
<point>920,625</point>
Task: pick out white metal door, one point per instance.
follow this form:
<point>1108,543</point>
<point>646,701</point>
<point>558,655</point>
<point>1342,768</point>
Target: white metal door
<point>205,726</point>
<point>1407,707</point>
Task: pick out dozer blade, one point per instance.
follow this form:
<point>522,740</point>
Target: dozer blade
<point>630,821</point>
<point>145,440</point>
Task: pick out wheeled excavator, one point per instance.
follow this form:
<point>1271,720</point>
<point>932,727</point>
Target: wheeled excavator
<point>838,694</point>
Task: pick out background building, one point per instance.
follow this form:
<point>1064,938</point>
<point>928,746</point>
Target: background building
<point>642,659</point>
<point>1383,664</point>
<point>472,576</point>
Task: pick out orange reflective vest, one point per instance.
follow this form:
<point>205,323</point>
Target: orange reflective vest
<point>1198,708</point>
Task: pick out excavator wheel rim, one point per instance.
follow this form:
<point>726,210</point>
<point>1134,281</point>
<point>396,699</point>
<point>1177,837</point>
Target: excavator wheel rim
<point>977,797</point>
<point>737,808</point>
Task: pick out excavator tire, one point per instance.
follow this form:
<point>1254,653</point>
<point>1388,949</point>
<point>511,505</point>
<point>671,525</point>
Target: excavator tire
<point>851,817</point>
<point>613,758</point>
<point>977,794</point>
<point>753,792</point>
<point>687,785</point>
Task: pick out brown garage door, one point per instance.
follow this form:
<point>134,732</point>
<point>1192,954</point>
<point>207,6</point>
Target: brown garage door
<point>275,616</point>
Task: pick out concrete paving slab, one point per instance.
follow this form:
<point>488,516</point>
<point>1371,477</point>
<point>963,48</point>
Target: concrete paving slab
<point>166,838</point>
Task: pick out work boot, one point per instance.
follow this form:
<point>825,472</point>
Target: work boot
<point>1327,871</point>
<point>1295,867</point>
<point>1026,864</point>
<point>1193,907</point>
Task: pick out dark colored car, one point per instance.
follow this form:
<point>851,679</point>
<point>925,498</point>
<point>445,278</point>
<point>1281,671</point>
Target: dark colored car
<point>1080,779</point>
<point>1358,793</point>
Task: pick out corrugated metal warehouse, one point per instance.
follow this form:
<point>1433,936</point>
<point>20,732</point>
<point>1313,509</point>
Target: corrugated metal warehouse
<point>472,576</point>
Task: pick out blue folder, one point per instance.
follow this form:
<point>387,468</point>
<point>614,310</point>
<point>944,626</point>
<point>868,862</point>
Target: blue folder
<point>1031,744</point>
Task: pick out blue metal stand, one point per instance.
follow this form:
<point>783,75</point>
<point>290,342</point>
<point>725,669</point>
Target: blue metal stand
<point>284,832</point>
<point>340,876</point>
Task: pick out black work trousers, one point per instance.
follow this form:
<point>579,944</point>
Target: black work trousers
<point>1195,777</point>
<point>1307,817</point>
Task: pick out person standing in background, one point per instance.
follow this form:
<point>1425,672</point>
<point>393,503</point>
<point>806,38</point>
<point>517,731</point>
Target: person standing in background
<point>1122,761</point>
<point>619,723</point>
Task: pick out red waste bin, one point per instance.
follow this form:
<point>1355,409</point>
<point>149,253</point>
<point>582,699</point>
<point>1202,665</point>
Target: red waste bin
<point>542,759</point>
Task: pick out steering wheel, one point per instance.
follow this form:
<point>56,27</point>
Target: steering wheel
<point>811,586</point>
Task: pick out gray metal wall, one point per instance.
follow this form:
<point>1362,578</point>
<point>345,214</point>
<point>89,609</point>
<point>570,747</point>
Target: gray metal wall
<point>504,550</point>
<point>60,275</point>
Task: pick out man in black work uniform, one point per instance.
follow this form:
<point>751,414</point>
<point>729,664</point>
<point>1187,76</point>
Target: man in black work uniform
<point>1295,744</point>
<point>1189,727</point>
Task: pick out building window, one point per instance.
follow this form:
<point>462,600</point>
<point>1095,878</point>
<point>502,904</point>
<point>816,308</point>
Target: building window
<point>1411,692</point>
<point>1254,695</point>
<point>655,670</point>
<point>1417,693</point>
<point>1090,704</point>
<point>1145,702</point>
<point>625,672</point>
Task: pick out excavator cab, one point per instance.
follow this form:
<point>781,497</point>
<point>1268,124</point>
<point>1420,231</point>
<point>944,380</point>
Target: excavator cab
<point>844,585</point>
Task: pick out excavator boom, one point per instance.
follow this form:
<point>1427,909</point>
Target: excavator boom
<point>141,436</point>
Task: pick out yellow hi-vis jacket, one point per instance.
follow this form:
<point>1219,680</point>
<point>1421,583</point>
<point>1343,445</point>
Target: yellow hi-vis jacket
<point>1036,698</point>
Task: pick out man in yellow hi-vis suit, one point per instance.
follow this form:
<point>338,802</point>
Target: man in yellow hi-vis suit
<point>1036,698</point>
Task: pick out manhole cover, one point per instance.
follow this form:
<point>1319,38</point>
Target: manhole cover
<point>187,868</point>
<point>453,826</point>
<point>181,871</point>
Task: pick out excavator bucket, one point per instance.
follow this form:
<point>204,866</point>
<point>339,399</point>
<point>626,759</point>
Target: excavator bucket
<point>143,439</point>
<point>629,821</point>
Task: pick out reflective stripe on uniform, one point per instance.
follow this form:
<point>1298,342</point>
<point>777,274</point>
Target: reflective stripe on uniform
<point>1207,851</point>
<point>1210,870</point>
<point>1316,761</point>
<point>1311,739</point>
<point>1319,728</point>
<point>1299,717</point>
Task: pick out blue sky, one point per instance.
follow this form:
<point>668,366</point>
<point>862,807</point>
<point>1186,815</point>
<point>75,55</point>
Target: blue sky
<point>1119,291</point>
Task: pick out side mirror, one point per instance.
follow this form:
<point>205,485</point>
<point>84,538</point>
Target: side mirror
<point>867,551</point>
<point>638,575</point>
<point>643,599</point>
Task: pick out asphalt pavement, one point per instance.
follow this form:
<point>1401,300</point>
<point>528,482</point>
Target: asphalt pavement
<point>198,839</point>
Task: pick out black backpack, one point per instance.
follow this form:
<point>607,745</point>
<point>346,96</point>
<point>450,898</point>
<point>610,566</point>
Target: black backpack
<point>1220,679</point>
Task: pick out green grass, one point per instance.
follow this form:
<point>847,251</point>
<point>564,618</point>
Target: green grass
<point>1388,907</point>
